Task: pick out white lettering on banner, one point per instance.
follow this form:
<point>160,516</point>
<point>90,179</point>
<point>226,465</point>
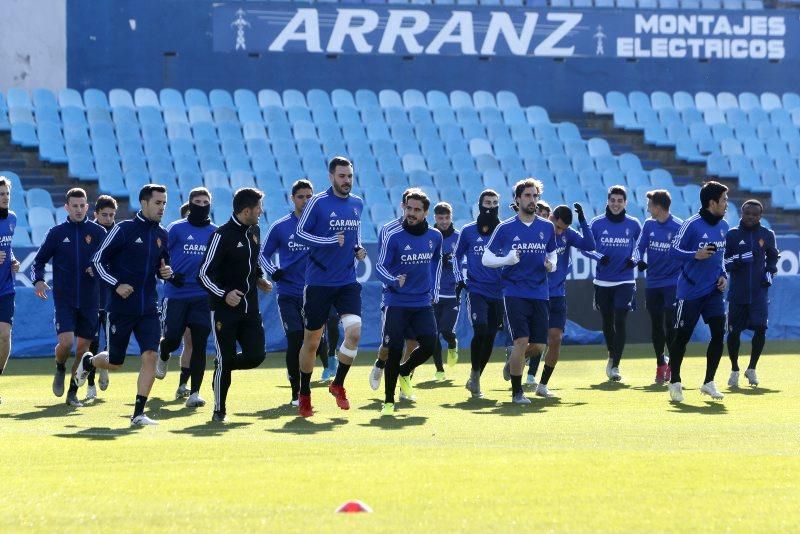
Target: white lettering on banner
<point>743,40</point>
<point>308,19</point>
<point>344,28</point>
<point>394,29</point>
<point>501,23</point>
<point>458,30</point>
<point>548,46</point>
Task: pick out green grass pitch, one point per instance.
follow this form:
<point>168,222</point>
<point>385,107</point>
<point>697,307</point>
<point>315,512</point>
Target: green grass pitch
<point>604,457</point>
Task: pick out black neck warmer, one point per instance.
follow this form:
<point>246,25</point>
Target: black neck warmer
<point>198,215</point>
<point>449,231</point>
<point>709,217</point>
<point>488,220</point>
<point>415,229</point>
<point>3,213</point>
<point>615,218</point>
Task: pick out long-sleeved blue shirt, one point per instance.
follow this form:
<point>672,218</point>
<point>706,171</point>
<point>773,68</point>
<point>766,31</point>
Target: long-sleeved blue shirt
<point>654,243</point>
<point>419,257</point>
<point>71,245</point>
<point>481,280</point>
<point>7,276</point>
<point>584,241</point>
<point>528,278</point>
<point>447,284</point>
<point>698,278</point>
<point>617,241</point>
<point>186,244</point>
<point>292,255</point>
<point>751,258</point>
<point>324,217</point>
<point>131,254</point>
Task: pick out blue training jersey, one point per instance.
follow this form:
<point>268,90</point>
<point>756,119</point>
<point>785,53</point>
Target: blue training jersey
<point>292,255</point>
<point>419,258</point>
<point>617,240</point>
<point>698,278</point>
<point>584,241</point>
<point>654,244</point>
<point>480,280</point>
<point>528,278</point>
<point>326,216</point>
<point>447,284</point>
<point>187,244</point>
<point>7,277</point>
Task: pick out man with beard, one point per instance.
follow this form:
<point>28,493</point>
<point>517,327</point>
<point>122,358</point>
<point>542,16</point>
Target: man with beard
<point>409,264</point>
<point>615,234</point>
<point>482,284</point>
<point>331,227</point>
<point>523,248</point>
<point>185,303</point>
<point>751,260</point>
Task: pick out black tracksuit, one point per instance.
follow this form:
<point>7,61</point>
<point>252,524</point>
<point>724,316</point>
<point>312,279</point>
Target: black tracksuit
<point>231,262</point>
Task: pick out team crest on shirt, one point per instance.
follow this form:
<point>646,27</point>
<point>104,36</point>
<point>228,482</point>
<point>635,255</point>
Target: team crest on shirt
<point>158,242</point>
<point>541,235</point>
<point>430,244</point>
<point>88,239</point>
<point>761,242</point>
<point>219,326</point>
<point>669,236</point>
<point>386,340</point>
<point>627,231</point>
<point>113,329</point>
<point>255,238</point>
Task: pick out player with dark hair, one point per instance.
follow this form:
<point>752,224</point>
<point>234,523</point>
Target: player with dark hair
<point>185,304</point>
<point>484,291</point>
<point>133,255</point>
<point>700,247</point>
<point>662,274</point>
<point>105,214</point>
<point>409,264</point>
<point>615,235</point>
<point>8,269</point>
<point>331,227</point>
<point>71,245</point>
<point>231,274</point>
<point>289,274</point>
<point>523,248</point>
<point>446,309</point>
<point>751,260</point>
<point>566,238</point>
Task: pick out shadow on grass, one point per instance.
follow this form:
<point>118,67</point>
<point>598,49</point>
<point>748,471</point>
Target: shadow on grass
<point>373,406</point>
<point>308,425</point>
<point>752,391</point>
<point>98,433</point>
<point>652,388</point>
<point>158,407</point>
<point>396,422</point>
<point>435,384</point>
<point>43,412</point>
<point>284,410</point>
<point>606,386</point>
<point>707,408</point>
<point>472,404</point>
<point>210,429</point>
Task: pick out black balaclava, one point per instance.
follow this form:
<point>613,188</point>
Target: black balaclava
<point>488,218</point>
<point>199,215</point>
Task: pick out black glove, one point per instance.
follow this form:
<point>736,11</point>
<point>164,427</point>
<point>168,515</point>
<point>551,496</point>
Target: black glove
<point>642,265</point>
<point>459,288</point>
<point>177,279</point>
<point>579,211</point>
<point>766,281</point>
<point>629,264</point>
<point>605,260</point>
<point>277,275</point>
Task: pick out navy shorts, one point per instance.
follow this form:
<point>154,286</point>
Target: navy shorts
<point>446,311</point>
<point>608,299</point>
<point>557,307</point>
<point>7,309</point>
<point>81,321</point>
<point>178,314</point>
<point>407,334</point>
<point>689,311</point>
<point>747,316</point>
<point>146,328</point>
<point>290,308</point>
<point>660,298</point>
<point>317,302</point>
<point>398,320</point>
<point>528,318</point>
<point>486,311</point>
